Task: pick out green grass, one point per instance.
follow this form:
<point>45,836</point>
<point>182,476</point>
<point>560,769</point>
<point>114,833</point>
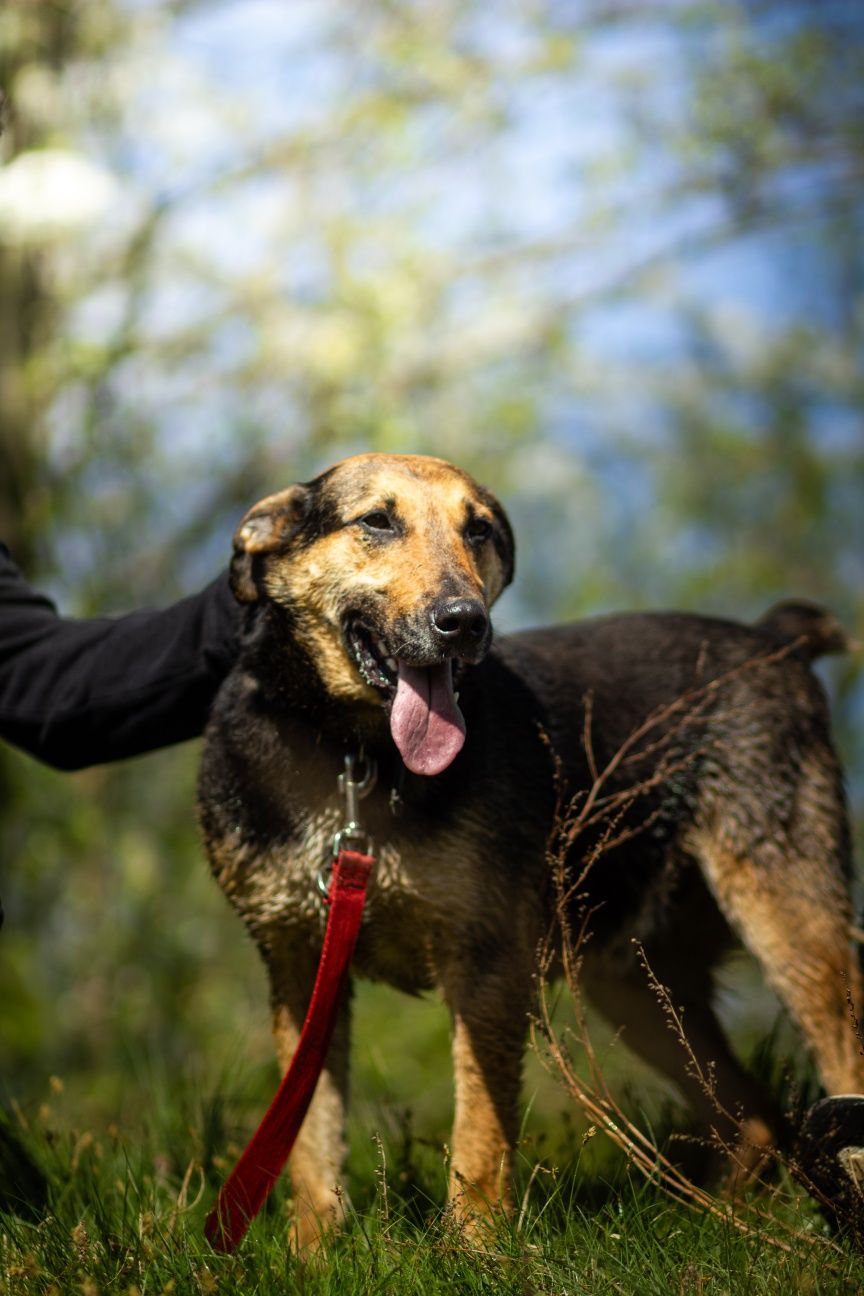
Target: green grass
<point>133,1160</point>
<point>125,1212</point>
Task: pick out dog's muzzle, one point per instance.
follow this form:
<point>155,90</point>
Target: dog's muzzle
<point>413,670</point>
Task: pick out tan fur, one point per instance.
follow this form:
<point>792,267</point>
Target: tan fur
<point>800,934</point>
<point>432,497</point>
<point>319,1153</point>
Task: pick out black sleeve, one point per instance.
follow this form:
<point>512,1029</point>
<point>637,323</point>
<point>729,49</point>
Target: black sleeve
<point>81,692</point>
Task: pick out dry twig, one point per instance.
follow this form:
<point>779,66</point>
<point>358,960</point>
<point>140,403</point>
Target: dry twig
<point>657,738</point>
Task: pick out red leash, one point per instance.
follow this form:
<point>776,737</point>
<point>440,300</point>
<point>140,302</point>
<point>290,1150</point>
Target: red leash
<point>246,1188</point>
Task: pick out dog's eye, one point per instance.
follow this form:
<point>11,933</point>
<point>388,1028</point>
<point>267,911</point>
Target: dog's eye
<point>378,521</point>
<point>478,529</point>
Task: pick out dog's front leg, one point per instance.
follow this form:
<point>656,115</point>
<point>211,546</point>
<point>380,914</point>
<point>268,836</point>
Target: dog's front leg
<point>489,1007</point>
<point>318,1157</point>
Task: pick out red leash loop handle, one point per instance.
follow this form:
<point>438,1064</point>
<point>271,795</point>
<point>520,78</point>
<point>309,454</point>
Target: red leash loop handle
<point>246,1188</point>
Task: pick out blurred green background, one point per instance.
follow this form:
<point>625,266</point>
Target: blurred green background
<point>606,256</point>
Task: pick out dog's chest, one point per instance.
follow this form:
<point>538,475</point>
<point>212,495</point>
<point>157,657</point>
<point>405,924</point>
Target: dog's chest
<point>417,891</point>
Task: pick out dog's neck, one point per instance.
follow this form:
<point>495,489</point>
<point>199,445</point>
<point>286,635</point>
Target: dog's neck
<point>271,652</point>
<point>288,683</point>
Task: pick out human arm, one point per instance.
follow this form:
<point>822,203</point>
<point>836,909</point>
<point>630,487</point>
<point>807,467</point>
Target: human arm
<point>82,692</point>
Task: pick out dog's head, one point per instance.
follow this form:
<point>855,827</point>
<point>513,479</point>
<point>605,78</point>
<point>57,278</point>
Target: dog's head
<point>389,565</point>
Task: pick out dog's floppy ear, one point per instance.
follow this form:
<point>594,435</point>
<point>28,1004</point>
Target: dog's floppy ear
<point>268,526</point>
<point>505,545</point>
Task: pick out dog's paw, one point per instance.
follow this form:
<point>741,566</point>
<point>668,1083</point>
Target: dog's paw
<point>829,1160</point>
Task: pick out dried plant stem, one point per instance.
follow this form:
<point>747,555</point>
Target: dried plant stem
<point>598,808</point>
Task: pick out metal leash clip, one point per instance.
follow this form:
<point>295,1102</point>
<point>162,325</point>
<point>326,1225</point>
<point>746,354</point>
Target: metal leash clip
<point>351,835</point>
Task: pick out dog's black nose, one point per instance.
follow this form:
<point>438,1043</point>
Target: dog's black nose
<point>459,623</point>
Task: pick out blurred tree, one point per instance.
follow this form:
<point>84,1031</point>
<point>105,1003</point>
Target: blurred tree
<point>607,256</point>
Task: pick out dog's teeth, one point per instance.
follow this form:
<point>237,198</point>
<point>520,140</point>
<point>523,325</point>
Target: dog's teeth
<point>456,695</point>
<point>391,664</point>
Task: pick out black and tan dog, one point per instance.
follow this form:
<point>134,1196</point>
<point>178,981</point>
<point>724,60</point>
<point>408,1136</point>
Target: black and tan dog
<point>368,594</point>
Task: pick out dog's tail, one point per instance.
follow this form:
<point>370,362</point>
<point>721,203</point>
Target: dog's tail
<point>818,629</point>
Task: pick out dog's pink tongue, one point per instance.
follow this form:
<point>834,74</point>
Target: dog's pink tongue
<point>425,720</point>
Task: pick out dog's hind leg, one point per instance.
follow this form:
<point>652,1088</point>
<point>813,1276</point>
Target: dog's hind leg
<point>318,1157</point>
<point>731,1112</point>
<point>792,910</point>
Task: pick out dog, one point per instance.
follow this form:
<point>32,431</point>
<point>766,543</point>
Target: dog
<point>367,594</point>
